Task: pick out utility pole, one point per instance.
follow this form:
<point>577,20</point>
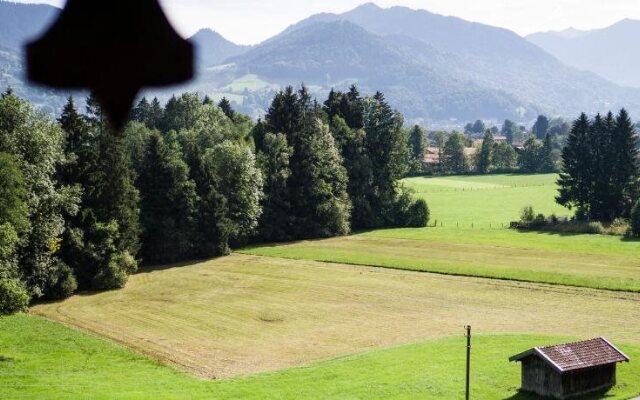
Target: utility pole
<point>468,328</point>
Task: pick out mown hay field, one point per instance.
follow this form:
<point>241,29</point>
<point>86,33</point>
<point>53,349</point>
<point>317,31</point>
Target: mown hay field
<point>471,238</point>
<point>241,314</point>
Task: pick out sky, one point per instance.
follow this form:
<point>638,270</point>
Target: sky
<point>252,21</point>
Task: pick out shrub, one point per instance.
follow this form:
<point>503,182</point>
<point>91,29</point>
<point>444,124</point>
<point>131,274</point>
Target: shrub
<point>116,272</point>
<point>635,219</point>
<point>65,283</point>
<point>417,214</point>
<point>619,227</point>
<point>13,296</point>
<point>594,228</point>
<point>527,215</point>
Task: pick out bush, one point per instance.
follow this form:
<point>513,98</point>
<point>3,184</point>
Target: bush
<point>594,228</point>
<point>540,219</point>
<point>619,227</point>
<point>65,283</point>
<point>527,215</point>
<point>116,272</point>
<point>417,214</point>
<point>635,220</point>
<point>13,297</point>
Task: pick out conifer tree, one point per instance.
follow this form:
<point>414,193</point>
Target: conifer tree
<point>541,127</point>
<point>109,223</point>
<point>155,115</point>
<point>352,145</point>
<point>225,105</point>
<point>141,111</point>
<point>258,134</point>
<point>548,163</point>
<point>454,160</point>
<point>273,159</point>
<point>625,182</point>
<point>575,180</point>
<point>285,114</point>
<point>168,204</point>
<point>485,156</point>
<point>318,183</point>
<point>417,148</point>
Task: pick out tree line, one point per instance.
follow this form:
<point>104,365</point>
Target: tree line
<point>82,206</point>
<point>600,176</point>
<point>457,154</point>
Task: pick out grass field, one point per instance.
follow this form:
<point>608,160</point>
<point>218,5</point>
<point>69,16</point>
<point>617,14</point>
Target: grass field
<point>241,314</point>
<point>61,363</point>
<point>249,82</point>
<point>277,322</point>
<point>472,241</point>
<point>486,201</point>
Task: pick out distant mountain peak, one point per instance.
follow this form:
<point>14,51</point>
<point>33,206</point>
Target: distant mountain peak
<point>213,48</point>
<point>368,6</point>
<point>205,32</point>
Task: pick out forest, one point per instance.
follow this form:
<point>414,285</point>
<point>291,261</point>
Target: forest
<point>83,206</point>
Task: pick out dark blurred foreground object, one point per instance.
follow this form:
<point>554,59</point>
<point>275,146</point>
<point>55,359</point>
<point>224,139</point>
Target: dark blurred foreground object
<point>112,47</point>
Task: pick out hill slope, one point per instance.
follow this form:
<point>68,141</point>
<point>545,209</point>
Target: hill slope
<point>213,48</point>
<point>609,52</point>
<point>415,76</point>
<point>21,22</point>
<point>431,66</point>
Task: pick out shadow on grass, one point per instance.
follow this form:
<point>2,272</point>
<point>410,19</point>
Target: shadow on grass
<point>141,270</point>
<point>145,269</point>
<point>571,234</point>
<point>597,395</point>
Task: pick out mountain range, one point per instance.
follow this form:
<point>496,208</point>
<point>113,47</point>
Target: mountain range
<point>610,52</point>
<point>435,69</point>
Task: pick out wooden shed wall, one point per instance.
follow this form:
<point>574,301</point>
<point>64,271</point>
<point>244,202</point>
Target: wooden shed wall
<point>581,382</point>
<point>538,377</point>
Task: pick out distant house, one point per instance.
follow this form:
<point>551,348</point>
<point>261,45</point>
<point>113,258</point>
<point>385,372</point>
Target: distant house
<point>431,159</point>
<point>500,139</point>
<point>572,369</point>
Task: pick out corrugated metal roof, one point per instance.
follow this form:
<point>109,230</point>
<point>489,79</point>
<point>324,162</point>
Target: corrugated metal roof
<point>577,355</point>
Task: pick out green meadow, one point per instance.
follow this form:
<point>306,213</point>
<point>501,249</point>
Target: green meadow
<point>375,315</point>
<point>470,238</point>
<point>41,359</point>
<point>489,201</point>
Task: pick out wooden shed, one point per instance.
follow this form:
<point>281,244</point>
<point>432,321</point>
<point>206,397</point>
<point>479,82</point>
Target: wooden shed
<point>571,369</point>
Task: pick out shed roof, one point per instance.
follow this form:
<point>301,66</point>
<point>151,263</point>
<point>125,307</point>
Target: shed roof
<point>577,355</point>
